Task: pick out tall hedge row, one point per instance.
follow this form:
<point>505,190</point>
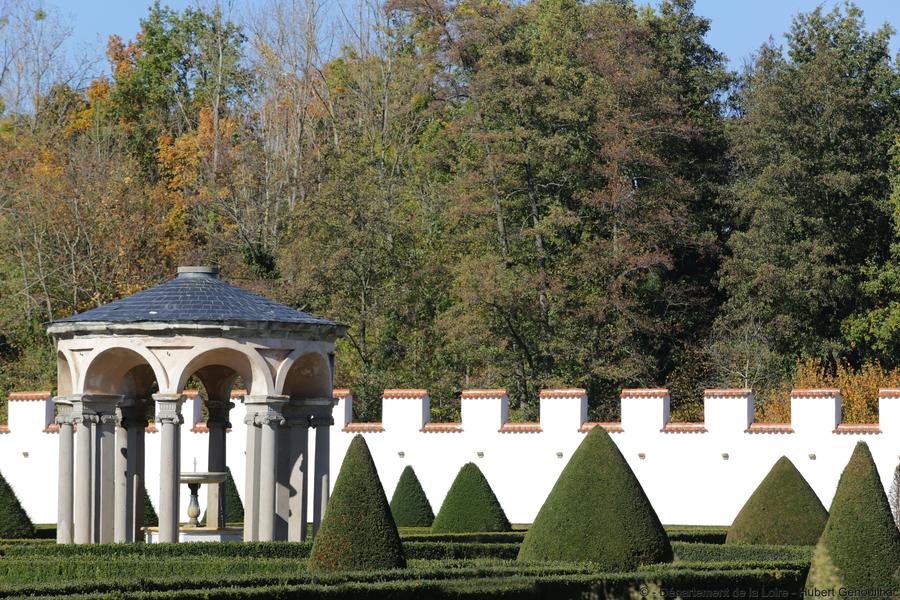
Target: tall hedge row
<point>597,512</point>
<point>782,510</point>
<point>409,504</point>
<point>357,531</point>
<point>860,547</point>
<point>470,505</point>
<point>14,521</point>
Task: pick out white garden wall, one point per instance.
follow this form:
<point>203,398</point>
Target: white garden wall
<point>693,473</point>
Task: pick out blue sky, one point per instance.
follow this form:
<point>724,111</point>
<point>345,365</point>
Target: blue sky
<point>738,26</point>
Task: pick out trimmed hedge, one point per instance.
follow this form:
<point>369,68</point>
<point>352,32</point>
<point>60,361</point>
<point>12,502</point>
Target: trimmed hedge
<point>357,530</point>
<point>860,547</point>
<point>234,508</point>
<point>698,534</point>
<point>409,504</point>
<point>14,521</point>
<point>151,519</point>
<point>597,511</point>
<point>782,510</point>
<point>470,505</point>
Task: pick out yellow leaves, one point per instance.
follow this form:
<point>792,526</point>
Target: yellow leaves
<point>122,57</point>
<point>97,95</point>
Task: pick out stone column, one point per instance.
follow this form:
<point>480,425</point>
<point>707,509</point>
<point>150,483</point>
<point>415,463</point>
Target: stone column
<point>168,415</point>
<point>125,464</point>
<point>270,420</point>
<point>107,452</point>
<point>283,481</point>
<point>321,490</point>
<point>83,419</point>
<point>217,424</point>
<point>136,432</point>
<point>65,492</point>
<point>298,482</point>
<point>251,474</point>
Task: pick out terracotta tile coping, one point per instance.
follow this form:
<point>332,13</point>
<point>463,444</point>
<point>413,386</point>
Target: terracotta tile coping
<point>563,393</point>
<point>643,392</point>
<point>728,393</point>
<point>610,426</point>
<point>28,396</point>
<point>442,428</point>
<point>769,428</point>
<point>4,429</point>
<point>889,393</point>
<point>684,428</point>
<point>482,394</point>
<point>340,393</point>
<point>404,393</point>
<point>51,428</point>
<point>857,428</point>
<point>363,428</point>
<point>520,428</point>
<point>816,393</point>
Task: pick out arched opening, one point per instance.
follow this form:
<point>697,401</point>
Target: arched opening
<point>218,370</point>
<point>119,371</point>
<point>308,377</point>
<point>64,385</point>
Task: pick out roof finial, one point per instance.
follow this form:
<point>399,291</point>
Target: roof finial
<point>207,271</point>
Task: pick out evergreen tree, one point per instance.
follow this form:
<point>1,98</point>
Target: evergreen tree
<point>409,504</point>
<point>151,519</point>
<point>894,496</point>
<point>598,512</point>
<point>783,510</point>
<point>860,547</point>
<point>357,531</point>
<point>14,521</point>
<point>470,505</point>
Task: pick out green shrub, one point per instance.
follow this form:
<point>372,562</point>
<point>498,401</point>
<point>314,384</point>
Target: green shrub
<point>782,510</point>
<point>860,546</point>
<point>740,553</point>
<point>470,505</point>
<point>151,519</point>
<point>597,511</point>
<point>410,505</point>
<point>357,531</point>
<point>234,508</point>
<point>14,521</point>
<point>700,534</point>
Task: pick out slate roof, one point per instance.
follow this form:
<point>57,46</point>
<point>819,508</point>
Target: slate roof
<point>195,295</point>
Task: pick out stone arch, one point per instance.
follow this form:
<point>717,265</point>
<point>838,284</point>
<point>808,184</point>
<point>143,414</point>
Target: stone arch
<point>64,379</point>
<point>218,367</point>
<point>119,370</point>
<point>308,376</point>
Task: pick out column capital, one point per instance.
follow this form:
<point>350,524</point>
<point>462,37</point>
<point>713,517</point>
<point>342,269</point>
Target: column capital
<point>131,416</point>
<point>168,408</point>
<point>218,411</point>
<point>321,420</point>
<point>108,419</point>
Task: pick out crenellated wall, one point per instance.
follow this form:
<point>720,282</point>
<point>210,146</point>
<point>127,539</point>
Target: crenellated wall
<point>693,473</point>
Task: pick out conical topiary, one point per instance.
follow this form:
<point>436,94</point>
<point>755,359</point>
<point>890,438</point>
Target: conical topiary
<point>470,505</point>
<point>860,546</point>
<point>150,517</point>
<point>410,505</point>
<point>597,512</point>
<point>234,508</point>
<point>357,531</point>
<point>14,521</point>
<point>783,510</point>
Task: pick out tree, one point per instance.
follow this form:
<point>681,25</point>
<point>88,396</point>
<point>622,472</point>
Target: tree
<point>860,546</point>
<point>14,521</point>
<point>470,505</point>
<point>357,530</point>
<point>783,510</point>
<point>810,151</point>
<point>409,504</point>
<point>597,511</point>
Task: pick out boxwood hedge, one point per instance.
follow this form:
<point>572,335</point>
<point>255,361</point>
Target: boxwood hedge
<point>14,521</point>
<point>409,504</point>
<point>470,505</point>
<point>598,512</point>
<point>357,531</point>
<point>782,510</point>
<point>860,547</point>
